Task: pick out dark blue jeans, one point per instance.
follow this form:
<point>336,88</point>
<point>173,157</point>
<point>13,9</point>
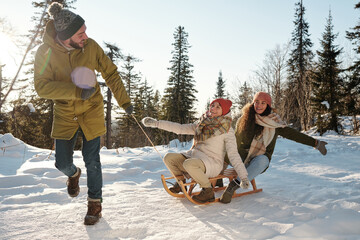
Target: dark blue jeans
<point>64,150</point>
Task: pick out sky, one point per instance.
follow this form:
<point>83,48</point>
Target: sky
<point>305,195</point>
<point>231,36</point>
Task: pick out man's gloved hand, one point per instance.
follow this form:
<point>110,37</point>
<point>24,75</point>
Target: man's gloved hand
<point>129,109</point>
<point>244,183</point>
<point>86,93</point>
<point>321,147</point>
<point>150,122</point>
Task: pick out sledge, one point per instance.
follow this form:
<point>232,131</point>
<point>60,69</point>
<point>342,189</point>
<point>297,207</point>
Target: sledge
<point>229,173</point>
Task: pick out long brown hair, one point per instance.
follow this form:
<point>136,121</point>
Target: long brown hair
<point>246,124</point>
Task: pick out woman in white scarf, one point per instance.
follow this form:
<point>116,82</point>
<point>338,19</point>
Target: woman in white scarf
<point>256,133</point>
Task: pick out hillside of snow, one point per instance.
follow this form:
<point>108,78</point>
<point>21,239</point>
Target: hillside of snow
<point>305,196</point>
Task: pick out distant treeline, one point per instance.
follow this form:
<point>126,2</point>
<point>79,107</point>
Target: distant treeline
<point>308,88</point>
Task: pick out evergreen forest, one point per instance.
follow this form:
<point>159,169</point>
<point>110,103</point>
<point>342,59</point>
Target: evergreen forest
<point>310,88</point>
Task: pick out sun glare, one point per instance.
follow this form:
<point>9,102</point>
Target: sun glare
<point>8,52</point>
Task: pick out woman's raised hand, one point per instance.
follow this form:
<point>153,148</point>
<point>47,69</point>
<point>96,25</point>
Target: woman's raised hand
<point>150,122</point>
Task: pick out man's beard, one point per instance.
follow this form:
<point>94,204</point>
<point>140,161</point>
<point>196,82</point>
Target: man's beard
<point>75,45</point>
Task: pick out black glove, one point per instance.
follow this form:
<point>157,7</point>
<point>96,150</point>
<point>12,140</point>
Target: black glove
<point>321,147</point>
<point>129,109</point>
<point>86,93</point>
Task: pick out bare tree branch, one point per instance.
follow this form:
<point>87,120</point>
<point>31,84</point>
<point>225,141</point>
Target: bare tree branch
<point>28,49</point>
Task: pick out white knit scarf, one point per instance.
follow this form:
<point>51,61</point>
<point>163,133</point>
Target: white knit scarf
<point>259,143</point>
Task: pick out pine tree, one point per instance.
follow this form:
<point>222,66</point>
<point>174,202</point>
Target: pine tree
<point>354,36</point>
<point>29,125</point>
<point>150,107</point>
<point>220,87</point>
<point>157,104</point>
<point>179,98</point>
<point>144,107</point>
<point>352,83</point>
<point>137,137</point>
<point>156,136</point>
<point>244,95</point>
<point>351,101</point>
<point>297,94</point>
<point>326,82</point>
<point>44,113</point>
<point>114,53</point>
<point>126,123</point>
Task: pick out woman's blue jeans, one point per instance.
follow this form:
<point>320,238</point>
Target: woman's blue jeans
<point>64,150</point>
<point>256,166</point>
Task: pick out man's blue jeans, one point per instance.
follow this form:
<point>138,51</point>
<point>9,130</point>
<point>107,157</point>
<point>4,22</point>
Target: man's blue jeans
<point>257,165</point>
<point>64,150</point>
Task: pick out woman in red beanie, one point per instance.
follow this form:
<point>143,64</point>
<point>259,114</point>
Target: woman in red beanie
<point>213,138</point>
<point>256,133</point>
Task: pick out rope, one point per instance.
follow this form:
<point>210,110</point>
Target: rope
<point>176,179</point>
<point>147,136</point>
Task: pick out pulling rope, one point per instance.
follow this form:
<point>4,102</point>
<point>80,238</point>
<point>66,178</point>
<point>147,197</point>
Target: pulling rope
<point>147,136</point>
<point>176,179</point>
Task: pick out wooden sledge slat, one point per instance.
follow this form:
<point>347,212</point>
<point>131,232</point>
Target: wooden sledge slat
<point>163,180</point>
<point>229,173</point>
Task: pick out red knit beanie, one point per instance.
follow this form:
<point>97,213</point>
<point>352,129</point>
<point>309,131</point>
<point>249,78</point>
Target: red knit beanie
<point>225,105</point>
<point>263,96</point>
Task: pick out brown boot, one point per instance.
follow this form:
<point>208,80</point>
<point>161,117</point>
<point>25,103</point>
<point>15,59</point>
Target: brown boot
<point>176,188</point>
<point>73,184</point>
<point>93,214</point>
<point>206,195</point>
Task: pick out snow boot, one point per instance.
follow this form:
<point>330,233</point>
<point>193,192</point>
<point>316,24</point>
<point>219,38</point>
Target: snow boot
<point>73,184</point>
<point>176,188</point>
<point>219,183</point>
<point>229,192</point>
<point>93,214</point>
<point>206,195</point>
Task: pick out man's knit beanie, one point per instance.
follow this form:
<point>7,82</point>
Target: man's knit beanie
<point>66,22</point>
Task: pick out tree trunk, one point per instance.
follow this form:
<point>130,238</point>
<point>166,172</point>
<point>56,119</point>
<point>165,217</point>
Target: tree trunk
<point>1,66</point>
<point>355,123</point>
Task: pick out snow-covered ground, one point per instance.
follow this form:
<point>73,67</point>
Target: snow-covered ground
<point>305,196</point>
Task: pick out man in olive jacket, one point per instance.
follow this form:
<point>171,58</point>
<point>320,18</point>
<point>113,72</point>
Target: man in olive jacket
<point>77,108</point>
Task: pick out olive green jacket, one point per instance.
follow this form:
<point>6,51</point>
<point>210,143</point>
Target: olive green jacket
<point>243,141</point>
<point>52,79</point>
